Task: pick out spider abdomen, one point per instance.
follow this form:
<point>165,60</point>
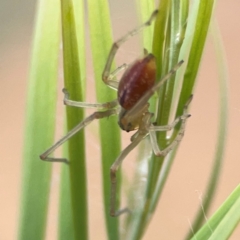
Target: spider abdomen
<point>136,81</point>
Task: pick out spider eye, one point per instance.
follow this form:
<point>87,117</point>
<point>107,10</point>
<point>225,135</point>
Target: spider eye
<point>124,125</point>
<point>129,127</point>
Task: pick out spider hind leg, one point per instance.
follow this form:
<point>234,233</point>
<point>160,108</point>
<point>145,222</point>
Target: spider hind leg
<point>183,118</point>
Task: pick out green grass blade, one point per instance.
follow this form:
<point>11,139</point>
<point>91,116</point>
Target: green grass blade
<point>40,121</point>
<point>204,13</point>
<point>146,8</point>
<point>172,28</point>
<point>158,51</point>
<point>222,133</point>
<point>224,221</point>
<point>170,34</point>
<point>199,29</point>
<point>187,22</point>
<point>76,146</point>
<point>173,43</point>
<point>65,218</point>
<point>159,34</point>
<point>80,27</point>
<point>101,41</point>
<point>183,21</point>
<point>65,215</point>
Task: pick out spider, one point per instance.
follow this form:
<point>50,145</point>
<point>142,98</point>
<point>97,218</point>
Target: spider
<point>134,89</point>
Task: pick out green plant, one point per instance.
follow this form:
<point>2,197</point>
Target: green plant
<point>179,33</point>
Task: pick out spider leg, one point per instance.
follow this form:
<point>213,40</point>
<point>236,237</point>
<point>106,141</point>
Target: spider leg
<point>177,139</point>
<point>77,128</point>
<point>113,171</point>
<point>107,76</point>
<point>106,105</point>
<point>143,100</point>
<point>113,83</point>
<point>136,139</point>
<point>169,126</point>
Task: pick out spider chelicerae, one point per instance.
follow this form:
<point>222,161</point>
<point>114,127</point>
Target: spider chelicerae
<point>137,85</point>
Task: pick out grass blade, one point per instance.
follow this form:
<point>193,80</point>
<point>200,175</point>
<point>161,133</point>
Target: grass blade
<point>200,32</point>
<point>204,13</point>
<point>65,215</point>
<point>222,133</point>
<point>146,8</point>
<point>170,34</point>
<point>40,120</point>
<point>224,221</point>
<point>76,146</point>
<point>101,41</point>
<point>65,223</point>
<point>159,34</point>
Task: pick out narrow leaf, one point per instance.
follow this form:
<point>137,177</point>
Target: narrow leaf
<point>101,41</point>
<point>40,120</point>
<point>222,223</point>
<point>76,146</point>
<point>222,131</point>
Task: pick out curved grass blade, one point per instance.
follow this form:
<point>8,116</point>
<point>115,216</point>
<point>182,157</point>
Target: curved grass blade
<point>184,21</point>
<point>221,225</point>
<point>222,133</point>
<point>40,120</point>
<point>173,29</point>
<point>204,14</point>
<point>76,145</point>
<point>198,39</point>
<point>137,221</point>
<point>170,30</point>
<point>101,41</point>
<point>187,21</point>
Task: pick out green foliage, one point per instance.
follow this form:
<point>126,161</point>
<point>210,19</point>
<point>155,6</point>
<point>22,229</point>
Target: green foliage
<point>76,146</point>
<point>101,42</point>
<point>179,32</point>
<point>40,121</point>
<point>221,225</point>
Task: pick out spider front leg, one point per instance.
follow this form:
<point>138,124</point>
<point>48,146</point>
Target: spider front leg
<point>106,105</point>
<point>110,110</point>
<point>177,139</point>
<point>107,76</point>
<point>113,177</point>
<point>81,125</point>
<point>138,137</point>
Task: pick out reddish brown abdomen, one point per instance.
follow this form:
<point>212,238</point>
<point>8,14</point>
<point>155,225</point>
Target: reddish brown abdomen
<point>137,79</point>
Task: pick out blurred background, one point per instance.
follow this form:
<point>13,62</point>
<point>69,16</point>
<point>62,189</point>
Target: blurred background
<point>186,184</point>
